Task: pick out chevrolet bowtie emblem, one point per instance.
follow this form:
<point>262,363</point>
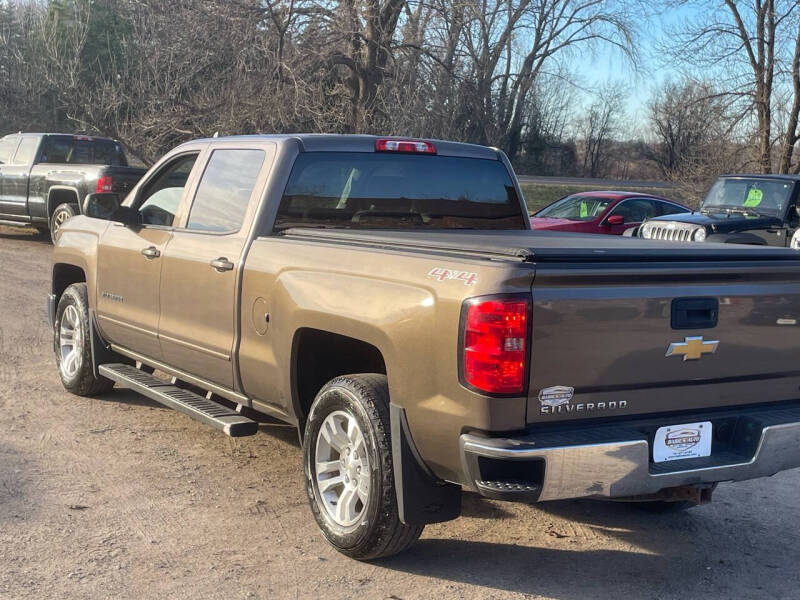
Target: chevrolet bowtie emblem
<point>692,348</point>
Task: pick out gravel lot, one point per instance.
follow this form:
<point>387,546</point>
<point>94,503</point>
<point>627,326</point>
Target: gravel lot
<point>117,497</point>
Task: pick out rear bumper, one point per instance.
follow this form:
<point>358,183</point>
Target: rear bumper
<point>614,461</point>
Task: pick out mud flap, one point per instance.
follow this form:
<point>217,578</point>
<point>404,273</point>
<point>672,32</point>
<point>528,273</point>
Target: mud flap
<point>421,497</point>
<point>101,351</point>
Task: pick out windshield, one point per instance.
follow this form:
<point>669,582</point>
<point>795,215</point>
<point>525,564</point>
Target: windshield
<point>82,150</point>
<point>398,191</point>
<point>575,208</point>
<point>748,196</point>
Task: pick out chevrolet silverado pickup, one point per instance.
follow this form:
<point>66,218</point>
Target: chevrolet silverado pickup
<point>44,177</point>
<point>388,298</point>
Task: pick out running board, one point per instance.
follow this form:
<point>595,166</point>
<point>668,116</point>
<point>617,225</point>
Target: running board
<point>196,406</point>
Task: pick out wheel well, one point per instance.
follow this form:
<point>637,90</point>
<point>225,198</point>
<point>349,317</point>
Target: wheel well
<point>319,356</point>
<point>60,196</point>
<point>64,276</point>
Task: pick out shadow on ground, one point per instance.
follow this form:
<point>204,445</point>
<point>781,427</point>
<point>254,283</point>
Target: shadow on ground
<point>25,234</point>
<point>687,554</point>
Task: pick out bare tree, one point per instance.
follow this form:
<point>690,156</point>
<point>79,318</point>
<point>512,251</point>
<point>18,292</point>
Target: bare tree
<point>742,43</point>
<point>600,125</point>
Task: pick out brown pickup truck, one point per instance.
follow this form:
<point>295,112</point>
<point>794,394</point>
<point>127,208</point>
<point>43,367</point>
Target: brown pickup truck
<point>389,299</point>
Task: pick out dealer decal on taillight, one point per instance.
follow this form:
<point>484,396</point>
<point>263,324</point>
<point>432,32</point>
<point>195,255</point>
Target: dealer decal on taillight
<point>494,345</point>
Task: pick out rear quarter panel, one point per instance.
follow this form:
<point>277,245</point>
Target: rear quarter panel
<point>387,299</point>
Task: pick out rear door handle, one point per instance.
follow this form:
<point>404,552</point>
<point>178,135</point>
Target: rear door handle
<point>222,264</point>
<point>151,252</point>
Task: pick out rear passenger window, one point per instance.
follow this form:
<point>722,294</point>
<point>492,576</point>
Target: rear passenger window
<point>224,190</point>
<point>7,146</point>
<point>26,151</point>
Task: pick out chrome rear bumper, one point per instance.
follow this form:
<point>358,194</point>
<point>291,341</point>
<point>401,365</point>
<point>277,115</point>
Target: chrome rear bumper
<point>615,461</point>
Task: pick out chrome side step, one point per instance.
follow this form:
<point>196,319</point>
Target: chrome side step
<point>185,401</point>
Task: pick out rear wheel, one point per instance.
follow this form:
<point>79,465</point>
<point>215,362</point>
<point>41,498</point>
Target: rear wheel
<point>61,215</point>
<point>72,344</point>
<point>348,467</point>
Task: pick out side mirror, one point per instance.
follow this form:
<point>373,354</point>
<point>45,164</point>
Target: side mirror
<point>797,211</point>
<point>101,206</point>
<point>615,220</point>
<point>108,206</point>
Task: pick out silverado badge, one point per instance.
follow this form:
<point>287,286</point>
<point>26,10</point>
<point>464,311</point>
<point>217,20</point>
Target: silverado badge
<point>692,348</point>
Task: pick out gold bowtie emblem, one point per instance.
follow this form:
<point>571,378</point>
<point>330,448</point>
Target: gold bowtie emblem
<point>692,348</point>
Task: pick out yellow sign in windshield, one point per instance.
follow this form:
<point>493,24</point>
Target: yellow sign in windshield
<point>754,197</point>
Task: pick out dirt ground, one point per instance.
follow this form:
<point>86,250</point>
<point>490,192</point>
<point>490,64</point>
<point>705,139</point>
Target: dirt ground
<point>118,497</point>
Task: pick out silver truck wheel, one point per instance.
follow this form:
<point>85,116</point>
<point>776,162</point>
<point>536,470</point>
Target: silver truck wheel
<point>72,344</point>
<point>342,471</point>
<point>61,215</point>
<point>347,453</point>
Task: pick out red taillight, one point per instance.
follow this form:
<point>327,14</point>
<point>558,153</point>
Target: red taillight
<point>103,184</point>
<point>495,345</point>
<point>404,146</point>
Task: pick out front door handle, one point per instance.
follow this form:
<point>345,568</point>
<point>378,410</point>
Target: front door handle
<point>222,264</point>
<point>151,252</point>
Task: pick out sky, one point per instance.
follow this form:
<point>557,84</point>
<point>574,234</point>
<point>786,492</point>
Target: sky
<point>610,65</point>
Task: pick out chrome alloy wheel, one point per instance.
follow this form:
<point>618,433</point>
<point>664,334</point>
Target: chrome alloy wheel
<point>70,342</point>
<point>61,217</point>
<point>342,475</point>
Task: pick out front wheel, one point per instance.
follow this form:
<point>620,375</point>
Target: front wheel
<point>73,345</point>
<point>61,215</point>
<point>347,453</point>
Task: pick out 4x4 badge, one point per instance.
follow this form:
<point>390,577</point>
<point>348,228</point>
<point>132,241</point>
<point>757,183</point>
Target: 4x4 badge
<point>692,348</point>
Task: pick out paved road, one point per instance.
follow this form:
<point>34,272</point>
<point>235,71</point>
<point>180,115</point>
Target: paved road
<point>609,184</point>
<point>117,497</point>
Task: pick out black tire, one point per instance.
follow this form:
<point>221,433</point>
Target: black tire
<point>82,381</point>
<point>61,215</point>
<point>378,532</point>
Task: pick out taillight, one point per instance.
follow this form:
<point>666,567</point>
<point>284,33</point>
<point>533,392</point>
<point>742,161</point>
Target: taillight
<point>103,184</point>
<point>414,146</point>
<point>494,344</point>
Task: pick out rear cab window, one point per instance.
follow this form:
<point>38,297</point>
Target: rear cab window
<point>362,190</point>
<point>82,150</point>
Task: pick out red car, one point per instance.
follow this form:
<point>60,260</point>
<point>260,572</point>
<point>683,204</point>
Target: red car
<point>603,212</point>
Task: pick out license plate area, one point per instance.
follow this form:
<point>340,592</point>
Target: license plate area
<point>682,441</point>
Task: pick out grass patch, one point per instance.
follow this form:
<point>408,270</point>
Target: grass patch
<point>538,195</point>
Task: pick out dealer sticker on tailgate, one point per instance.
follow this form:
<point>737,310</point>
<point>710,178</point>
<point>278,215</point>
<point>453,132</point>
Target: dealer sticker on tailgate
<point>675,442</point>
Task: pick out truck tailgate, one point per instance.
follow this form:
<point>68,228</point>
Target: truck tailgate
<point>606,329</point>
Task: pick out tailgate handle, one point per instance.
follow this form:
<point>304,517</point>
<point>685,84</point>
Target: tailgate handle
<point>695,313</point>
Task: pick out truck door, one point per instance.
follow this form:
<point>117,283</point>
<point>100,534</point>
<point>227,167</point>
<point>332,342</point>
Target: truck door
<point>15,178</point>
<point>8,147</point>
<point>131,258</point>
<point>202,262</point>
